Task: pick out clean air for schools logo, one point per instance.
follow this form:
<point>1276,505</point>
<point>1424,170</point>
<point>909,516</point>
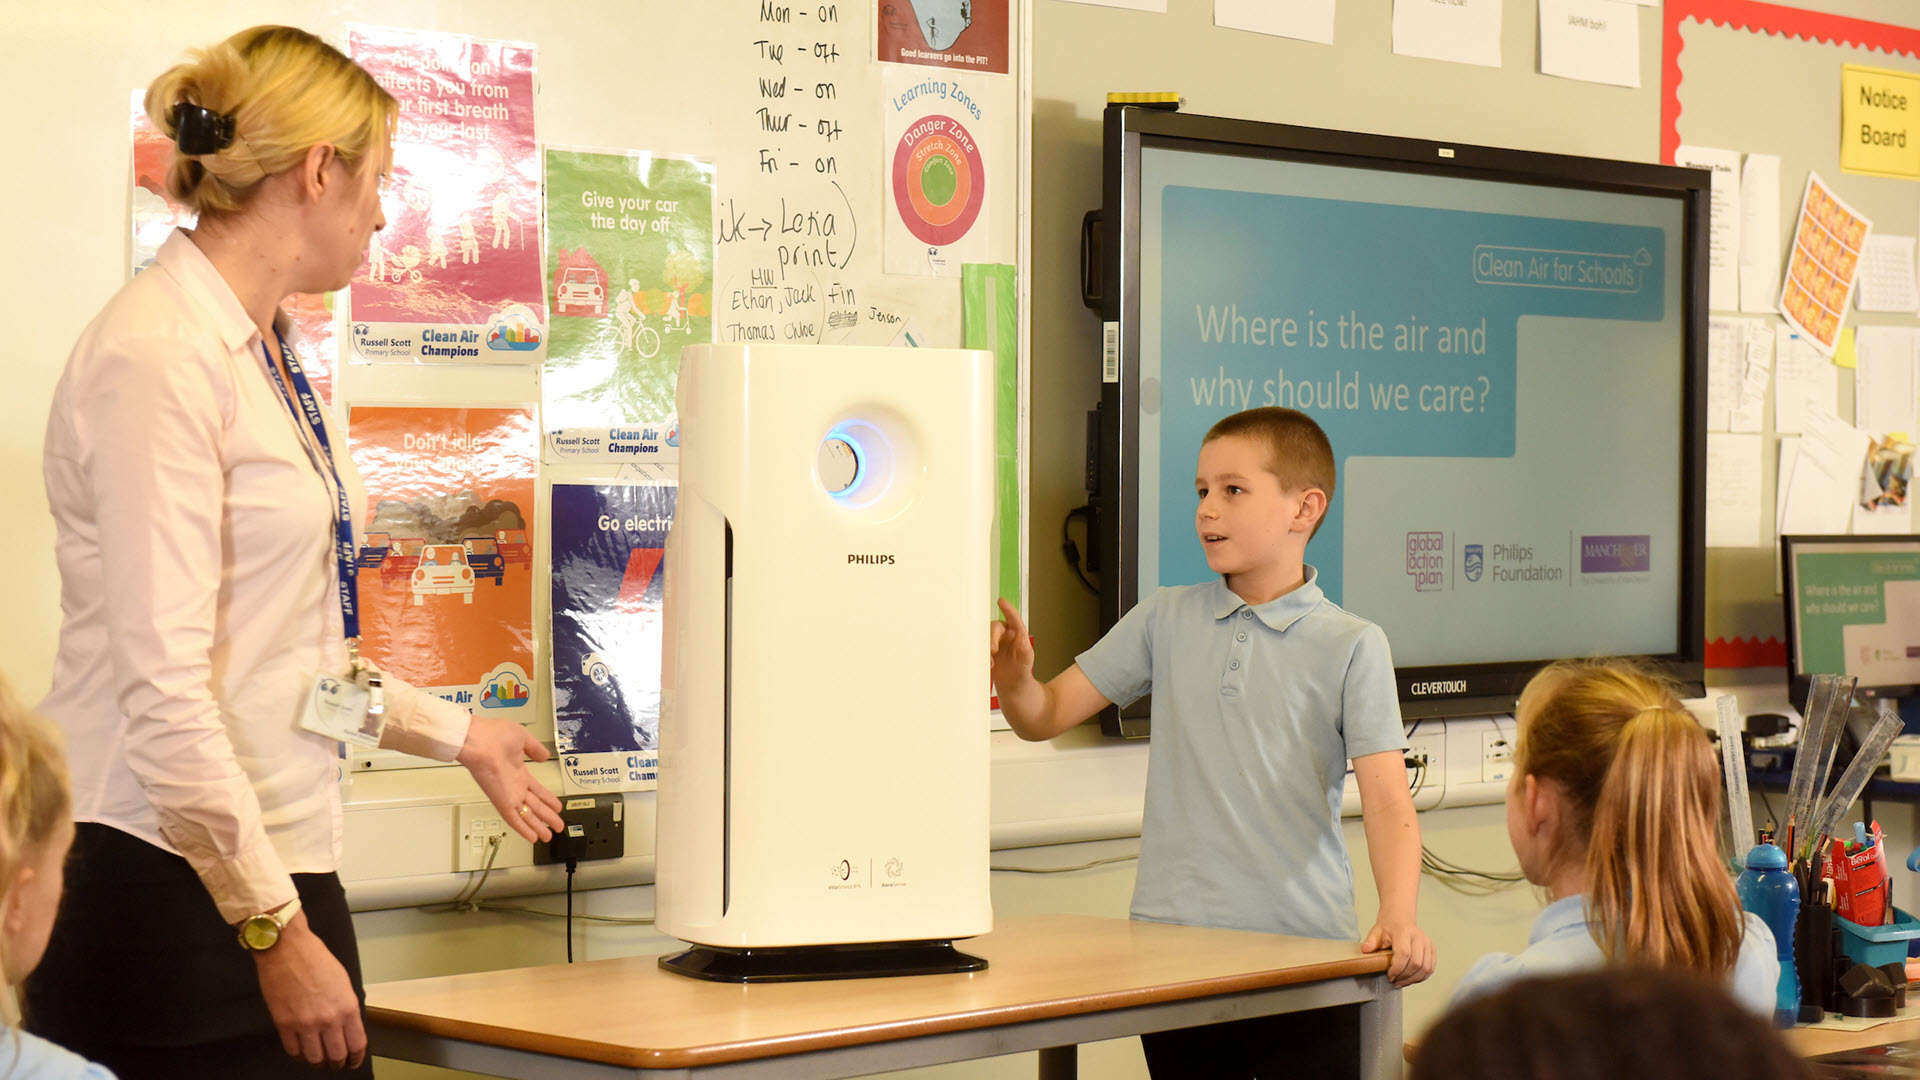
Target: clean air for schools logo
<point>1427,560</point>
<point>1476,561</point>
<point>1616,554</point>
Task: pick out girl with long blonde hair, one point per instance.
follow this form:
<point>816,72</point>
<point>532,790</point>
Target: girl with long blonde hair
<point>1614,808</point>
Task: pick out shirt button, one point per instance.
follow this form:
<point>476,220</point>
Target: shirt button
<point>1240,637</point>
<point>1235,665</point>
<point>1246,614</point>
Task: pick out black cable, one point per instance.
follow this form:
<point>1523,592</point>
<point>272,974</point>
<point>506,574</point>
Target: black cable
<point>572,864</point>
<point>1072,551</point>
<point>1773,819</point>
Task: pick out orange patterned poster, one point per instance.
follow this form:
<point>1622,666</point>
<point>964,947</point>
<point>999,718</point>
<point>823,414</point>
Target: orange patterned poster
<point>1823,266</point>
<point>445,549</point>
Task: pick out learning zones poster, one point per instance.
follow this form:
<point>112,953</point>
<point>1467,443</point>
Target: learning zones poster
<point>455,275</point>
<point>445,555</point>
<point>1443,350</point>
<point>155,216</point>
<point>1824,265</point>
<point>609,547</point>
<point>629,284</point>
<point>936,171</point>
<point>965,35</point>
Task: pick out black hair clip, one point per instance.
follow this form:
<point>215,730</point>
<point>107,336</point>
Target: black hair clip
<point>200,130</point>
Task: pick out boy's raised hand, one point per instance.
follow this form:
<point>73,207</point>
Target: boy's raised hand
<point>1012,650</point>
<point>1412,951</point>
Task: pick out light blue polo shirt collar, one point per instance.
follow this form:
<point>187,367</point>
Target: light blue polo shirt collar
<point>1569,913</point>
<point>1278,613</point>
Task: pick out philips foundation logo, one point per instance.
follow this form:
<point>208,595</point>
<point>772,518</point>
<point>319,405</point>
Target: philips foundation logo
<point>1616,554</point>
<point>1427,560</point>
<point>870,560</point>
<point>1476,561</point>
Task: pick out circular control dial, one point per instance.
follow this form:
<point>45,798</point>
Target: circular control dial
<point>839,465</point>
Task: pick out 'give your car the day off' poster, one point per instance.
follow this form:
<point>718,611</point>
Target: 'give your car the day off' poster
<point>445,556</point>
<point>630,283</point>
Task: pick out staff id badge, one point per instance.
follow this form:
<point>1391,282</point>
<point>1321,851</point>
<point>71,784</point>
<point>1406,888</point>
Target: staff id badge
<point>350,710</point>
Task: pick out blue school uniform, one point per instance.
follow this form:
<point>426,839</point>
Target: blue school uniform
<point>1256,711</point>
<point>1562,942</point>
<point>30,1057</point>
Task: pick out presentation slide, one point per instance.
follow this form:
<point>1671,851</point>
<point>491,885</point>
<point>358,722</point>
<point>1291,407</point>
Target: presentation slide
<point>1498,366</point>
<point>1857,611</point>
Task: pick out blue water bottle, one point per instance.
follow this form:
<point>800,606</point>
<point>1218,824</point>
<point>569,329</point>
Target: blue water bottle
<point>1769,891</point>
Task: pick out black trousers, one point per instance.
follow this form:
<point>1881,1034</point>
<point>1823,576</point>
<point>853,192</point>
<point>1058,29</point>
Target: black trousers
<point>1323,1044</point>
<point>143,975</point>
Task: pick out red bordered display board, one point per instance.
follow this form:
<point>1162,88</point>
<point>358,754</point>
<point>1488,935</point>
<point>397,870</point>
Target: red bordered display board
<point>1775,20</point>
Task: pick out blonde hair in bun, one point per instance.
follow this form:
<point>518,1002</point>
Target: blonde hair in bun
<point>286,91</point>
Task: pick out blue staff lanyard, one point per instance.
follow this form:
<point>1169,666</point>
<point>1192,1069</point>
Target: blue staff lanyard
<point>309,408</point>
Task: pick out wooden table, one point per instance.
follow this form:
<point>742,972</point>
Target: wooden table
<point>1814,1040</point>
<point>1053,981</point>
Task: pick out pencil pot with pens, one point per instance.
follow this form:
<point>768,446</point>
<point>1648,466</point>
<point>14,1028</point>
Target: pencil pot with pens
<point>1852,945</point>
<point>1849,942</point>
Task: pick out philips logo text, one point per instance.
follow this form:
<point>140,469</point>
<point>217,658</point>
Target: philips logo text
<point>871,560</point>
<point>1438,686</point>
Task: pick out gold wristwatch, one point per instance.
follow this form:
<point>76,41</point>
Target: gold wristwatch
<point>262,932</point>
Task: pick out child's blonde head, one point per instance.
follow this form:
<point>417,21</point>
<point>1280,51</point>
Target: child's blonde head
<point>1298,453</point>
<point>287,92</point>
<point>1642,788</point>
<point>36,798</point>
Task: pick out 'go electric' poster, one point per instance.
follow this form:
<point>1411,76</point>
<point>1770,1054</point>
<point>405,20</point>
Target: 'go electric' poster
<point>609,550</point>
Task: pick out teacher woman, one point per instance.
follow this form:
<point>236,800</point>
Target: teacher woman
<point>204,510</point>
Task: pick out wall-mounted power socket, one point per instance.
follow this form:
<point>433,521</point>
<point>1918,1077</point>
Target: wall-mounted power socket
<point>594,830</point>
<point>1496,756</point>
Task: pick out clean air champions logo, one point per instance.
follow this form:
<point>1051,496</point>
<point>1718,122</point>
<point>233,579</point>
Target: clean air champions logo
<point>1427,560</point>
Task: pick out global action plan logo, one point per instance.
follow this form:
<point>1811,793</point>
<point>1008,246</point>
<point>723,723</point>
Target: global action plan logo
<point>1427,560</point>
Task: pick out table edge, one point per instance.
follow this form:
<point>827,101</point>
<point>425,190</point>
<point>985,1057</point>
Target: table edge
<point>543,1042</point>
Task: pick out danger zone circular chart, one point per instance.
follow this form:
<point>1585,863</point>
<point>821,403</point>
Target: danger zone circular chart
<point>939,181</point>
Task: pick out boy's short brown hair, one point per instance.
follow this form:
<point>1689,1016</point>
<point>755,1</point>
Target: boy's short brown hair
<point>1299,454</point>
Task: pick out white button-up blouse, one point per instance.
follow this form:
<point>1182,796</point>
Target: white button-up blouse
<point>199,592</point>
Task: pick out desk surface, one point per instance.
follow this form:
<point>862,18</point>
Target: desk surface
<point>630,1012</point>
<point>1813,1040</point>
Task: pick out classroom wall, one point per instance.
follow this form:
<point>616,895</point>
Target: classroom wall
<point>68,69</point>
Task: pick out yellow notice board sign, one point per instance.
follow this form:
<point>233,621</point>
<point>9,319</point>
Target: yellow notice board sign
<point>1880,122</point>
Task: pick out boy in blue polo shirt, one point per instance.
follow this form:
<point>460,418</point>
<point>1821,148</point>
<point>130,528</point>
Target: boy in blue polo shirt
<point>1263,689</point>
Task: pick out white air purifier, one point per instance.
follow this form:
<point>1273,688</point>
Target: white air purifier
<point>823,801</point>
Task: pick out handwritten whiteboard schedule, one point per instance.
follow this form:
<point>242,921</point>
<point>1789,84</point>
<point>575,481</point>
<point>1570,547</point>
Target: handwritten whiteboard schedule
<point>801,184</point>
